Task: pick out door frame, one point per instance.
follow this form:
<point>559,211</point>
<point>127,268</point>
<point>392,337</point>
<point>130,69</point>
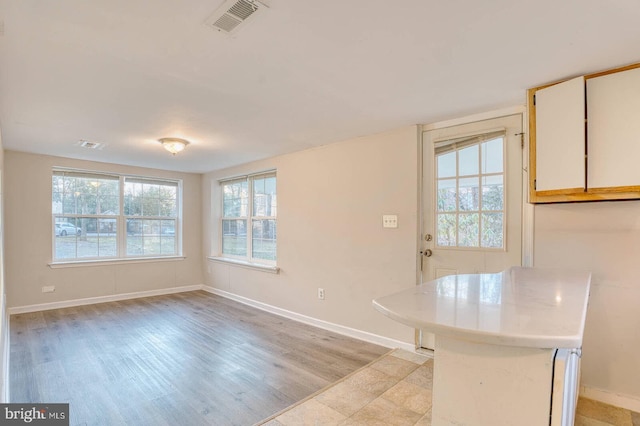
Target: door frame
<point>527,218</point>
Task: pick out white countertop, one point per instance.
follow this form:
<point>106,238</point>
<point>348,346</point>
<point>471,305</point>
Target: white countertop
<point>526,307</point>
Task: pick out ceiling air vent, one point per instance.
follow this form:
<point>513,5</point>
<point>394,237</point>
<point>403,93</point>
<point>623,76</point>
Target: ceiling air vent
<point>233,14</point>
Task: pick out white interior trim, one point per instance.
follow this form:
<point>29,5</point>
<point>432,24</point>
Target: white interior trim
<point>336,328</point>
<point>489,115</point>
<point>419,201</point>
<point>615,399</point>
<point>100,299</point>
<point>527,208</point>
<point>244,264</point>
<point>118,261</point>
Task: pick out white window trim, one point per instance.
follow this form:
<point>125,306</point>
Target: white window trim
<point>121,219</point>
<point>246,264</point>
<point>245,261</point>
<point>112,261</point>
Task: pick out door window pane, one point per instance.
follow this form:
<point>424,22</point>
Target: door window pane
<point>447,230</point>
<point>478,186</point>
<point>492,156</point>
<point>492,230</point>
<point>447,165</point>
<point>492,192</point>
<point>468,228</point>
<point>446,195</point>
<point>468,161</point>
<point>469,194</point>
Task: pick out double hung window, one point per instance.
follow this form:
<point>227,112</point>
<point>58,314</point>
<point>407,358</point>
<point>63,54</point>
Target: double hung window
<point>151,215</point>
<point>248,223</point>
<point>103,216</point>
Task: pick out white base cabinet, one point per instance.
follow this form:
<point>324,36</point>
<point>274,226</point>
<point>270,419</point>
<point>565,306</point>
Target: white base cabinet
<point>504,344</point>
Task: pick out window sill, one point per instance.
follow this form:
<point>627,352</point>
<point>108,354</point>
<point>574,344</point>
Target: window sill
<point>244,264</point>
<point>94,262</point>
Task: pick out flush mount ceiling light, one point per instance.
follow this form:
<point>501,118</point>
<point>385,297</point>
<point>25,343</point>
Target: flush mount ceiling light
<point>173,145</point>
<point>82,143</point>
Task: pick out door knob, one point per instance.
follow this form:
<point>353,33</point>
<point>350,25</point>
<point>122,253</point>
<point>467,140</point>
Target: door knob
<point>426,253</point>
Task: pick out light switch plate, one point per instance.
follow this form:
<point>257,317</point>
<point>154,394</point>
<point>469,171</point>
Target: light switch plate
<point>389,220</point>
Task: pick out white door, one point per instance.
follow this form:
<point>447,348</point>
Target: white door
<point>471,199</point>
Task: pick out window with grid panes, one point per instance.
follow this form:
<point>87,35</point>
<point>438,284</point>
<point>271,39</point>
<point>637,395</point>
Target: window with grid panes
<point>249,218</point>
<point>470,196</point>
<point>102,216</point>
<point>151,215</point>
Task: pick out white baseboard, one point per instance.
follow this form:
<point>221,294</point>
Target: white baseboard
<point>101,299</point>
<point>336,328</point>
<point>611,398</point>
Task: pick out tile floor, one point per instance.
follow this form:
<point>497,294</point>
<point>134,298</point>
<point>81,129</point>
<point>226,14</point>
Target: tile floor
<point>396,390</point>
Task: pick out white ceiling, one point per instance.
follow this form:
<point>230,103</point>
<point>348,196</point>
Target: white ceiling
<point>304,73</point>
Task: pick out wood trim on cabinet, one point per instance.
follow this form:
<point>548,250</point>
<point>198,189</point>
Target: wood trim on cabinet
<point>585,196</point>
<point>611,71</point>
<point>615,189</point>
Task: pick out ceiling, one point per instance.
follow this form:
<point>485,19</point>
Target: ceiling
<point>125,73</point>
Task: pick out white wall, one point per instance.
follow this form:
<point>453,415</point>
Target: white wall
<point>329,235</point>
<point>330,205</point>
<point>4,318</point>
<point>29,238</point>
<point>603,238</point>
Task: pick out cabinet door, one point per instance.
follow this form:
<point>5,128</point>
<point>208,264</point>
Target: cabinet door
<point>613,130</point>
<point>560,137</point>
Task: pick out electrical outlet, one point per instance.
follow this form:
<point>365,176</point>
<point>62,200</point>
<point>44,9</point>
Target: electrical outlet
<point>48,288</point>
<point>389,220</point>
<point>320,293</point>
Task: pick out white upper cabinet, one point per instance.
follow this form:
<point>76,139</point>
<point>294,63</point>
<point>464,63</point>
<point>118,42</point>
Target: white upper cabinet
<point>560,136</point>
<point>613,132</point>
<point>576,160</point>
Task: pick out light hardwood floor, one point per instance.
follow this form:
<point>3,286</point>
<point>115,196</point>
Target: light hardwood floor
<point>188,359</point>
